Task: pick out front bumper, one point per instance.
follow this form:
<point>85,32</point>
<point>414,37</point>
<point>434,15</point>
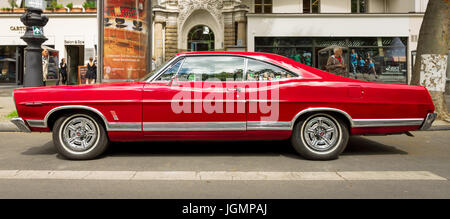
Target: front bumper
<point>428,121</point>
<point>21,124</point>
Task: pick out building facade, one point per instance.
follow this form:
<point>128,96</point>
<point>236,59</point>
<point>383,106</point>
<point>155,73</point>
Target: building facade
<point>384,32</point>
<point>73,34</point>
<point>197,25</point>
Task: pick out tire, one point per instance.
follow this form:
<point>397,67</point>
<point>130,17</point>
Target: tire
<point>86,143</point>
<point>328,144</point>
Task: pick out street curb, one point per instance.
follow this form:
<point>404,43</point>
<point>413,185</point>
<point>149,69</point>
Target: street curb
<point>8,127</point>
<point>439,128</point>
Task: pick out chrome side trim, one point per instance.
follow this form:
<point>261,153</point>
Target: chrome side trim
<point>21,124</point>
<point>360,123</point>
<point>75,107</point>
<point>268,125</point>
<point>428,121</point>
<point>36,123</point>
<point>194,126</point>
<point>321,109</point>
<point>124,126</point>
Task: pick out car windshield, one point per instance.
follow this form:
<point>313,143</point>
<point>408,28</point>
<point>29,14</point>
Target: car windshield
<point>149,75</point>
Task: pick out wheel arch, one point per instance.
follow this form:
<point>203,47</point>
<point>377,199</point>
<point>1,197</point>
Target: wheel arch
<point>340,113</point>
<point>52,115</point>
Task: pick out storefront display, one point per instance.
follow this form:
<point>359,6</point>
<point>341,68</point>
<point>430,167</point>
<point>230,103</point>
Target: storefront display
<point>8,64</point>
<point>381,59</point>
<point>125,39</point>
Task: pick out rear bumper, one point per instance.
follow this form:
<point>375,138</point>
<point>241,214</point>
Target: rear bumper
<point>21,124</point>
<point>428,121</point>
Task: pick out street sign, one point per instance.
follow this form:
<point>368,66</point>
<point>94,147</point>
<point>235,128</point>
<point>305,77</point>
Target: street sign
<point>37,30</point>
<point>35,4</point>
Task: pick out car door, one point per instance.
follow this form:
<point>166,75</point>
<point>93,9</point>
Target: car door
<point>267,96</point>
<point>205,99</point>
<point>157,98</point>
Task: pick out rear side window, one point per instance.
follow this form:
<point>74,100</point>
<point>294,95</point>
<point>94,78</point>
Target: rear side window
<point>261,71</point>
<point>208,68</point>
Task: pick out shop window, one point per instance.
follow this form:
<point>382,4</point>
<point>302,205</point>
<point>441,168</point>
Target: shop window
<point>263,6</point>
<point>359,6</point>
<point>8,64</point>
<point>378,59</point>
<point>202,68</point>
<point>311,6</point>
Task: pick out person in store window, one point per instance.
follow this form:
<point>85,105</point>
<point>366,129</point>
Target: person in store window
<point>45,61</point>
<point>354,62</point>
<point>308,60</point>
<point>361,65</point>
<point>91,73</point>
<point>336,64</point>
<point>372,69</point>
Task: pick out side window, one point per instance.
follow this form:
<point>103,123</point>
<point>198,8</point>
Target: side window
<point>260,71</point>
<point>170,72</point>
<point>203,68</point>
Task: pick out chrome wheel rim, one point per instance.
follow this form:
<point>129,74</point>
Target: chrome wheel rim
<point>80,134</point>
<point>321,133</point>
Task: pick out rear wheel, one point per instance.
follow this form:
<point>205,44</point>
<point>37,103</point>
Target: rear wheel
<point>79,136</point>
<point>320,136</point>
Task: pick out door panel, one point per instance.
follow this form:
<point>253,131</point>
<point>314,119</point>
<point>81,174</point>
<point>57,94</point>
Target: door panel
<point>267,88</point>
<point>199,101</point>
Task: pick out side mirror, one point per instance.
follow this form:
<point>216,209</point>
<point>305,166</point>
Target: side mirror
<point>173,81</point>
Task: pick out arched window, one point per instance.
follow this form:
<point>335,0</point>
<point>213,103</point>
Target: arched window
<point>200,38</point>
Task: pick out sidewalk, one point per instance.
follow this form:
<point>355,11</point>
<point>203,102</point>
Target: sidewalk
<point>7,106</point>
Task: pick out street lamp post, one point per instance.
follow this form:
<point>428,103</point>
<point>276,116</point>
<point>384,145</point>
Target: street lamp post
<point>34,37</point>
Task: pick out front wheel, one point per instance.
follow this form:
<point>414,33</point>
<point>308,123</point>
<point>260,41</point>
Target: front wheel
<point>320,136</point>
<point>80,136</point>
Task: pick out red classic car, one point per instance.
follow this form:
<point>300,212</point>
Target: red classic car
<point>224,96</point>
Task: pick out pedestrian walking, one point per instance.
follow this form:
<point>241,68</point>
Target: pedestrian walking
<point>336,63</point>
<point>91,73</point>
<point>63,71</point>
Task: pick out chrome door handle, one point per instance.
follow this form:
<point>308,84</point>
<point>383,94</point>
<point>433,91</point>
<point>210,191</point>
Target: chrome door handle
<point>237,89</point>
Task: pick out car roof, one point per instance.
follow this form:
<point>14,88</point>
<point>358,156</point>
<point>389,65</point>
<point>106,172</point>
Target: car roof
<point>250,54</point>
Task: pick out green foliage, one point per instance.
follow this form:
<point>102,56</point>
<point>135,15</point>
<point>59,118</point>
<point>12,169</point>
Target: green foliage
<point>90,4</point>
<point>12,114</point>
<point>53,3</point>
<point>70,5</point>
<point>13,4</point>
<point>59,6</point>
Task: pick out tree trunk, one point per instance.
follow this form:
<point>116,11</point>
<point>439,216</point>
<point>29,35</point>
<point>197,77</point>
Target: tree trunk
<point>431,59</point>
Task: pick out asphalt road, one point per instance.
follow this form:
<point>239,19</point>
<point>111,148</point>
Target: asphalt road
<point>428,151</point>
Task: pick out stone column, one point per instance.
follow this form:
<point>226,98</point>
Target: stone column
<point>229,30</point>
<point>158,38</point>
<point>171,41</point>
<point>241,19</point>
<point>242,33</point>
